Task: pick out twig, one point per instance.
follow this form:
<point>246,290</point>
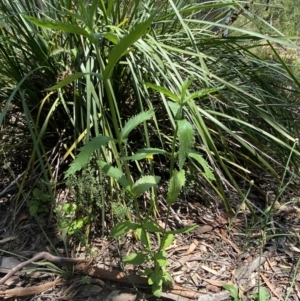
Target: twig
<point>41,256</point>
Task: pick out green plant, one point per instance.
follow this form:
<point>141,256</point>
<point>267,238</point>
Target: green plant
<point>40,202</point>
<point>261,295</point>
<point>184,138</point>
<point>77,215</point>
<point>100,61</point>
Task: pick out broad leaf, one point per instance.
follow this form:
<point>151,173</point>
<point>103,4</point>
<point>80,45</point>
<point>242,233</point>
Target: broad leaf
<point>177,181</point>
<point>122,228</point>
<point>121,48</point>
<point>186,139</point>
<point>115,173</point>
<point>134,122</point>
<point>135,258</point>
<point>203,163</point>
<point>85,153</point>
<point>152,227</point>
<point>144,184</point>
<point>61,26</point>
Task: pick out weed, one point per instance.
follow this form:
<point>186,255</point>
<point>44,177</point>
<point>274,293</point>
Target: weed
<point>182,144</point>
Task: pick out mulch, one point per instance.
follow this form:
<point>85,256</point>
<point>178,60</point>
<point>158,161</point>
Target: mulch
<point>248,251</point>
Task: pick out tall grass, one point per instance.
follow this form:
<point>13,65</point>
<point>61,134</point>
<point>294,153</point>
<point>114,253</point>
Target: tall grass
<point>74,72</point>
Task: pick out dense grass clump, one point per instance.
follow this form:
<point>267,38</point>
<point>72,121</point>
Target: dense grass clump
<point>70,73</point>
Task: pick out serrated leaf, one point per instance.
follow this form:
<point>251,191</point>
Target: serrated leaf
<point>134,122</point>
<point>167,240</point>
<point>164,91</point>
<point>177,181</point>
<point>156,278</point>
<point>144,153</point>
<point>152,227</point>
<point>122,47</point>
<point>123,227</point>
<point>203,163</point>
<point>202,93</point>
<point>157,289</point>
<point>144,184</point>
<point>186,139</point>
<point>135,258</point>
<point>115,173</point>
<point>185,87</point>
<point>85,153</point>
<point>176,109</point>
<point>184,230</point>
<point>167,279</point>
<point>61,26</point>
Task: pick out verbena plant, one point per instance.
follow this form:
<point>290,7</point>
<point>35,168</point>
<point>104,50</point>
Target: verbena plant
<point>157,274</point>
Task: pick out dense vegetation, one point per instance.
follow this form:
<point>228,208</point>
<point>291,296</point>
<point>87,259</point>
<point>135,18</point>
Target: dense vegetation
<point>149,94</point>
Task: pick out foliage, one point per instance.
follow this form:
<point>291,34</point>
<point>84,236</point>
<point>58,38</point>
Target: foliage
<point>76,217</point>
<point>157,275</point>
<point>123,81</point>
<point>262,294</point>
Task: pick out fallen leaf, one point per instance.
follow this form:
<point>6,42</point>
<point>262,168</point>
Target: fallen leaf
<point>191,248</point>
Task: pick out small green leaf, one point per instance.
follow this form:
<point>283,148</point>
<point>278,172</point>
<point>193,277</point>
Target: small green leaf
<point>184,230</point>
<point>185,87</point>
<point>135,258</point>
<point>143,236</point>
<point>167,279</point>
<point>152,227</point>
<point>85,153</point>
<point>233,290</point>
<point>69,208</point>
<point>38,194</point>
<point>115,173</point>
<point>167,240</point>
<point>186,139</point>
<point>144,153</point>
<point>156,277</point>
<point>161,258</point>
<point>148,272</point>
<point>177,181</point>
<point>123,228</point>
<point>203,163</point>
<point>157,289</point>
<point>202,93</point>
<point>262,295</point>
<point>33,207</point>
<point>134,122</point>
<point>164,91</point>
<point>144,184</point>
<point>176,110</point>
